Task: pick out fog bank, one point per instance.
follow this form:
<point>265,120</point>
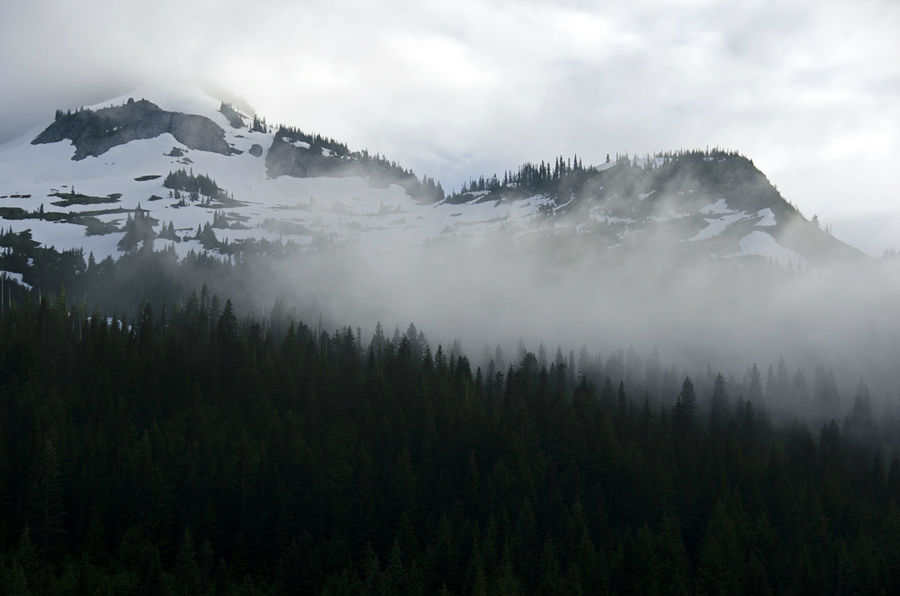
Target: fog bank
<point>722,314</point>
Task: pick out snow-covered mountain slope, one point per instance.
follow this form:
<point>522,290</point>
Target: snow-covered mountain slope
<point>197,174</point>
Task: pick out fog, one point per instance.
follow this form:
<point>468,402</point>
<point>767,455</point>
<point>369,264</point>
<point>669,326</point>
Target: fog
<point>808,89</point>
<point>551,291</point>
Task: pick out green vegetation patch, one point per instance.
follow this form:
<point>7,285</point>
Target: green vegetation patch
<point>96,227</point>
<point>20,241</point>
<point>71,198</point>
<point>13,213</point>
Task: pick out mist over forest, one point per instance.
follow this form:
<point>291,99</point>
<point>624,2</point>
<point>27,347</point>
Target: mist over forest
<point>200,447</point>
<point>499,294</point>
<point>718,314</point>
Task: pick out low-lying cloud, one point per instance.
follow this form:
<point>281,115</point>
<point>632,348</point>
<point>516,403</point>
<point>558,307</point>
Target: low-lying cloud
<point>720,313</point>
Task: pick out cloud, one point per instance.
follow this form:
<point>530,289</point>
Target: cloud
<point>809,90</point>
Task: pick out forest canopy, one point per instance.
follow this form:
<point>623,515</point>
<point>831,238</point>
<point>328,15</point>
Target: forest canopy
<point>193,450</point>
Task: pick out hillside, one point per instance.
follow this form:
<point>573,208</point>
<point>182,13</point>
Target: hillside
<point>208,177</point>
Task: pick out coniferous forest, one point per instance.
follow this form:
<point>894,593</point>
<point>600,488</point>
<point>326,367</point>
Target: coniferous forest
<point>191,450</point>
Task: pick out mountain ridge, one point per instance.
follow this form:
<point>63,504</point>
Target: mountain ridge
<point>305,188</point>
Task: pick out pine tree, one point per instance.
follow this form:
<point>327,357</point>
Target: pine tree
<point>718,407</point>
<point>685,407</point>
<point>46,506</point>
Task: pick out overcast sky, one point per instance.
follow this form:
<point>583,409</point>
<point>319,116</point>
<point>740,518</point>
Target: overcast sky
<point>810,90</point>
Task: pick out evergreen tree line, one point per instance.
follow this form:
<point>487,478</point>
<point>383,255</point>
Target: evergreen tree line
<point>316,141</point>
<point>531,175</point>
<point>340,161</point>
<point>190,451</point>
<point>622,179</point>
<point>376,166</point>
<point>528,175</point>
<point>196,186</point>
<point>138,231</point>
<point>142,274</point>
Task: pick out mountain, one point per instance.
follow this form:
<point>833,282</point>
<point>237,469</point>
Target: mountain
<point>194,173</point>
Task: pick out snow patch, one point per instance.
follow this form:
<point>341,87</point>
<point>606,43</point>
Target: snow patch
<point>719,207</point>
<point>111,322</point>
<point>717,226</point>
<point>767,218</point>
<point>15,276</point>
<point>764,245</point>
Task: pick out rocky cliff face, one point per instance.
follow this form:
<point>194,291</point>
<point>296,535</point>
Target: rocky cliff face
<point>94,132</point>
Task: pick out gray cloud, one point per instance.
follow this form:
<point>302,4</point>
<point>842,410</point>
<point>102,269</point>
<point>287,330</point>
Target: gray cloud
<point>809,90</point>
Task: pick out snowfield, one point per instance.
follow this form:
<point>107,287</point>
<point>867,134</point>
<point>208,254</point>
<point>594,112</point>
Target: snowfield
<point>348,210</point>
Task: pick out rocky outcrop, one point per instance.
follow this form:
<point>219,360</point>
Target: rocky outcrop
<point>94,132</point>
<point>235,119</point>
<point>286,159</point>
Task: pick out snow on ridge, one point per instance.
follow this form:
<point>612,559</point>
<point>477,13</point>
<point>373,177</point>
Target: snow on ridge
<point>184,98</point>
<point>297,144</point>
<point>346,209</point>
